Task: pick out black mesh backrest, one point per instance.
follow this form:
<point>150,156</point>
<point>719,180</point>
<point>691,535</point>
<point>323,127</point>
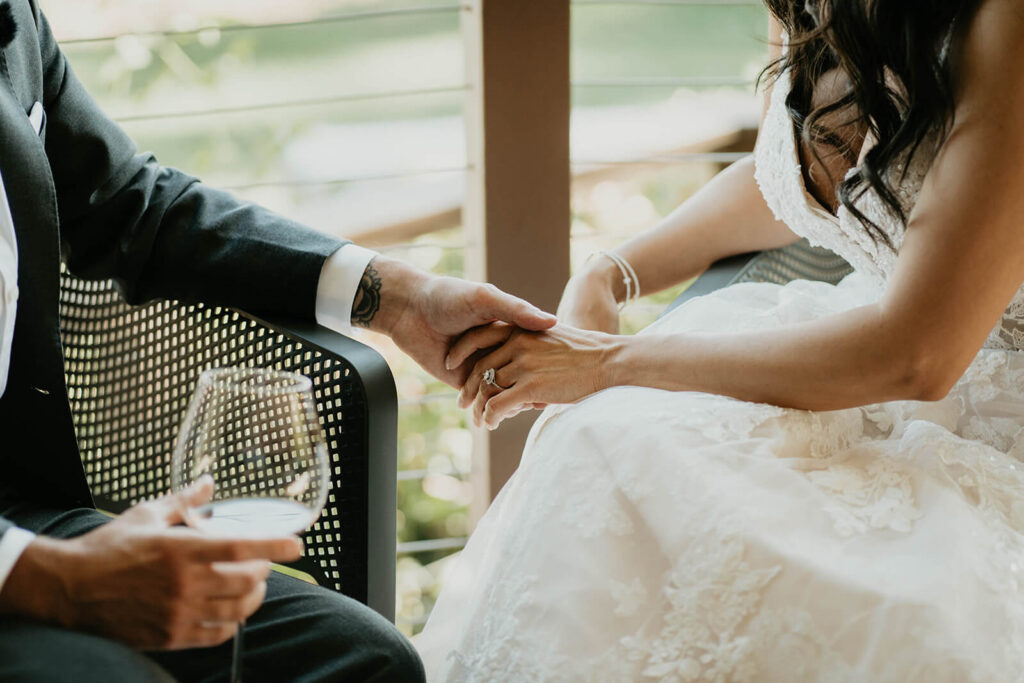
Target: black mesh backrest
<point>798,261</point>
<point>131,372</point>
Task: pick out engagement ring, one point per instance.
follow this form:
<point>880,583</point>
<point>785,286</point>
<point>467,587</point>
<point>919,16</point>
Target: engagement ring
<point>489,379</point>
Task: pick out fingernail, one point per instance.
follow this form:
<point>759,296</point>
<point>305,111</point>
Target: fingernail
<point>447,364</point>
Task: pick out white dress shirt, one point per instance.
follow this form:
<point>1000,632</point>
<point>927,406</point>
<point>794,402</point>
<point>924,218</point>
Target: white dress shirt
<point>335,294</point>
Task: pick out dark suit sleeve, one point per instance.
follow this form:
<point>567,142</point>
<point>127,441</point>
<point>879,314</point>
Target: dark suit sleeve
<point>157,231</point>
<point>4,526</point>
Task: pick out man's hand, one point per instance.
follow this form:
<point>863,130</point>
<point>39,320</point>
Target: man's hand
<point>424,314</point>
<point>144,582</point>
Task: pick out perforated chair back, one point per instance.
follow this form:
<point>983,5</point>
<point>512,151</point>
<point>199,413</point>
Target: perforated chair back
<point>797,261</point>
<point>131,372</point>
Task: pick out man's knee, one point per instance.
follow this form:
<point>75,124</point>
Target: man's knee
<point>362,641</point>
<point>336,638</point>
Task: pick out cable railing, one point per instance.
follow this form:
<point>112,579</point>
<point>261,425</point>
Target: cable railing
<point>664,82</point>
<point>328,182</point>
<point>328,19</point>
<point>431,545</point>
<point>689,157</point>
<point>667,3</point>
<point>284,104</point>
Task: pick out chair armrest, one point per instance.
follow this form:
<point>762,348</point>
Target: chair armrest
<point>381,430</point>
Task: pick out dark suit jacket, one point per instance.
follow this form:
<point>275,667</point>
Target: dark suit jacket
<point>80,191</point>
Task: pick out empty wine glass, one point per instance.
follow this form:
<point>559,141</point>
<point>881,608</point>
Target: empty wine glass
<point>256,433</point>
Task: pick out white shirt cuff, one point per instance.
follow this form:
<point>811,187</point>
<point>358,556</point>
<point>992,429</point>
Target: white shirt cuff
<point>12,545</point>
<point>337,287</point>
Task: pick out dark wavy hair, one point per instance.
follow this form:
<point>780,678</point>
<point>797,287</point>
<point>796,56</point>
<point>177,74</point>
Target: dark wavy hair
<point>911,41</point>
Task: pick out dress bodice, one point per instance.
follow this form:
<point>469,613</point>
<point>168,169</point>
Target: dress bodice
<point>778,173</point>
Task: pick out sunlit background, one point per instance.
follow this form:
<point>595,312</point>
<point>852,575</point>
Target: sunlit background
<point>347,115</point>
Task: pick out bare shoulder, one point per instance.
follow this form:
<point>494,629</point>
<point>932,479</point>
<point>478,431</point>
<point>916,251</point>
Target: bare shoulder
<point>991,55</point>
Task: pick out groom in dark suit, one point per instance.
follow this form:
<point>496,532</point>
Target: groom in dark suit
<point>140,597</point>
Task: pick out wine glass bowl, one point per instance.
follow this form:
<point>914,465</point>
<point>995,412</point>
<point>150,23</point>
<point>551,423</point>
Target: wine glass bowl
<point>256,433</point>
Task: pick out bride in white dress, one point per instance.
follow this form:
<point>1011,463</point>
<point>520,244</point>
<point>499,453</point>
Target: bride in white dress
<point>783,483</point>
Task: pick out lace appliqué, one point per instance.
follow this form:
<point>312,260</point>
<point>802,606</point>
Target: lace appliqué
<point>715,630</point>
<point>878,496</point>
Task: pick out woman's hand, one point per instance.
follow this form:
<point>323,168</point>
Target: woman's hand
<point>561,365</point>
<point>589,301</point>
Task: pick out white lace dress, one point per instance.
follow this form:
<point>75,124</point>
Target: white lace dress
<point>659,536</point>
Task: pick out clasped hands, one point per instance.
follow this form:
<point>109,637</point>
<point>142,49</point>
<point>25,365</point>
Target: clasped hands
<point>459,331</point>
<point>531,369</point>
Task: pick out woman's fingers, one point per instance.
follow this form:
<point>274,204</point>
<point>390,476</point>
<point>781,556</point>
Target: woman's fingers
<point>476,339</point>
<point>503,377</point>
<point>498,358</point>
<point>505,404</point>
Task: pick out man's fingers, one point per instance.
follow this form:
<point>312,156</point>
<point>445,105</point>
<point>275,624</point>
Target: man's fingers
<point>510,309</point>
<point>234,609</point>
<point>203,635</point>
<point>172,508</point>
<point>284,549</point>
<point>231,579</point>
<point>476,339</point>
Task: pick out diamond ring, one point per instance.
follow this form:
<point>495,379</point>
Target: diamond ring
<point>489,375</point>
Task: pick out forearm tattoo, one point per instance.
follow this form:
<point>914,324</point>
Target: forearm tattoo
<point>367,301</point>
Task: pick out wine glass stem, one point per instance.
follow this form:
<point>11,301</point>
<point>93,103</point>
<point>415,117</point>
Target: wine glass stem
<point>236,653</point>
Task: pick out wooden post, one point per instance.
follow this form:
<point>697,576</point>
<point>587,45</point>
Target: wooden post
<point>517,215</point>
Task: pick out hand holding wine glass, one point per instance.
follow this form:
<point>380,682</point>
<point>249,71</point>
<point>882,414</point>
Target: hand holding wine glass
<point>256,434</point>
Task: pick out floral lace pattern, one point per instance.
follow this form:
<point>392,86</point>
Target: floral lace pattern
<point>702,636</point>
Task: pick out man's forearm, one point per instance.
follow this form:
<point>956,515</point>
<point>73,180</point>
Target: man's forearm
<point>384,293</point>
<point>366,305</point>
<point>33,587</point>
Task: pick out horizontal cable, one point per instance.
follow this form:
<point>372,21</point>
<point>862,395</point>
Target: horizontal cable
<point>329,19</point>
<point>348,179</point>
<point>416,475</point>
<point>664,82</point>
<point>695,157</point>
<point>669,3</point>
<point>425,245</point>
<point>412,547</point>
<point>350,97</point>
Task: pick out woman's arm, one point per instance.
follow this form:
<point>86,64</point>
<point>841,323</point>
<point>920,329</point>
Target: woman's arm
<point>960,264</point>
<point>727,216</point>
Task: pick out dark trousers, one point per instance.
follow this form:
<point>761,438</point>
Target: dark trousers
<point>300,633</point>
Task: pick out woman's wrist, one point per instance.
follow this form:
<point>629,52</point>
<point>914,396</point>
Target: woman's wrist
<point>601,271</point>
<point>618,362</point>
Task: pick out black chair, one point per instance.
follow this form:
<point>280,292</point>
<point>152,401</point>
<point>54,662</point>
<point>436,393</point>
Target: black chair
<point>797,261</point>
<point>131,372</point>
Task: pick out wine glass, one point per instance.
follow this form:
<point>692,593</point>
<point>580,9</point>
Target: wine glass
<point>256,433</point>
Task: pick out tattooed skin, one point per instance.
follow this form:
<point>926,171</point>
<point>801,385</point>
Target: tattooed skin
<point>367,302</point>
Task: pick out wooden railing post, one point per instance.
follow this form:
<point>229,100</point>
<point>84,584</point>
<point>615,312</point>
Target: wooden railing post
<point>517,214</point>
